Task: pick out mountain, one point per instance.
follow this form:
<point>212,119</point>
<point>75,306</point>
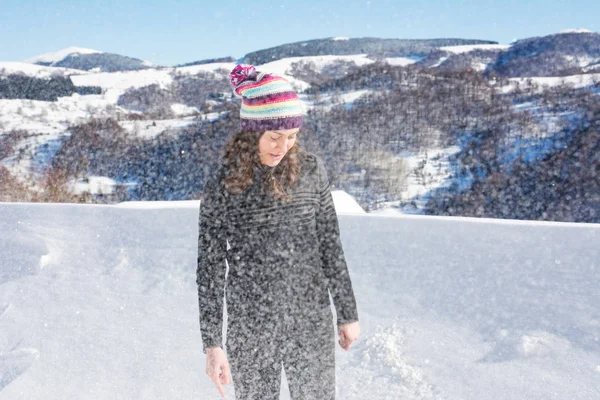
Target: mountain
<point>88,60</point>
<point>462,58</point>
<point>561,54</point>
<point>49,59</point>
<point>374,47</point>
<point>393,134</point>
<point>208,61</point>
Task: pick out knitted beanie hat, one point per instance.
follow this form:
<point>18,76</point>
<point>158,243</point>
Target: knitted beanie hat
<point>268,102</point>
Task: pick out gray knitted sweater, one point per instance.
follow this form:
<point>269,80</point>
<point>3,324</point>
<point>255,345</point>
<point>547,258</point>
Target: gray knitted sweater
<point>283,256</point>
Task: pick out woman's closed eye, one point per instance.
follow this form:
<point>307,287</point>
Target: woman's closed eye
<point>292,137</point>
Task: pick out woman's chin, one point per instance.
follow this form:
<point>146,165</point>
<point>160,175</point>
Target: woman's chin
<point>272,161</point>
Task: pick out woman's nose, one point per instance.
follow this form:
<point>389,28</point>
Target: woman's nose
<point>284,144</point>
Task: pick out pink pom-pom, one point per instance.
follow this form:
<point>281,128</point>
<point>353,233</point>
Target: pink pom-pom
<point>240,73</point>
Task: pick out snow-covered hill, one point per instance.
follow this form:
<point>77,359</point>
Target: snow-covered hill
<point>100,302</point>
<point>57,56</point>
<point>560,54</point>
<point>38,71</point>
<point>89,60</point>
<point>47,121</point>
<point>575,81</point>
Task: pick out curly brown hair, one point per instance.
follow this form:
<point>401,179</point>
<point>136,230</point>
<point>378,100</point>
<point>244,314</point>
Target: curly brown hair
<point>241,157</point>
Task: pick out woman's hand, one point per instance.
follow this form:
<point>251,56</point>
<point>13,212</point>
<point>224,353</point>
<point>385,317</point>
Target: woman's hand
<point>217,368</point>
<point>348,334</point>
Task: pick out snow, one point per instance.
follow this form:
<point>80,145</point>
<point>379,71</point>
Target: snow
<point>440,61</point>
<point>153,205</point>
<point>427,171</point>
<point>327,101</point>
<point>579,30</point>
<point>100,301</point>
<point>472,47</point>
<point>386,212</point>
<point>116,83</point>
<point>345,204</point>
<point>340,38</point>
<point>149,129</point>
<point>479,66</point>
<point>183,110</point>
<point>577,81</point>
<point>213,67</point>
<point>38,71</point>
<point>594,65</point>
<point>402,61</point>
<point>60,55</point>
<point>52,117</point>
<point>283,66</point>
<point>583,61</point>
<point>95,185</point>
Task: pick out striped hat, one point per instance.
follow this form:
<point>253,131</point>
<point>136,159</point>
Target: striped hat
<point>268,102</point>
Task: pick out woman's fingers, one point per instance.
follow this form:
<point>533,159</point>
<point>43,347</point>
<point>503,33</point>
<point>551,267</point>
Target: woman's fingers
<point>220,387</point>
<point>217,368</point>
<point>214,376</point>
<point>226,375</point>
<point>344,344</point>
<point>348,334</point>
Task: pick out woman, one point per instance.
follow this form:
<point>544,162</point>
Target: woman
<point>269,212</point>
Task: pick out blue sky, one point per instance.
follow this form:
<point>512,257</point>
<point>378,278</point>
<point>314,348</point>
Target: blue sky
<point>179,31</point>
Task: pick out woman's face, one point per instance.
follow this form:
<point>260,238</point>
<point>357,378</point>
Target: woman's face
<point>274,145</point>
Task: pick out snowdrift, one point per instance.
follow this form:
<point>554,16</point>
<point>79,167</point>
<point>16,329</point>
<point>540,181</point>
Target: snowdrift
<point>99,302</point>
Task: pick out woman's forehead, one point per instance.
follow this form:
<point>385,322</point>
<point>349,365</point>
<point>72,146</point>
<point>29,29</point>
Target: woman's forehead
<point>286,131</point>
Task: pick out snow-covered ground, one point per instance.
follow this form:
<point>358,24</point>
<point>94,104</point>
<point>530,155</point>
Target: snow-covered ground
<point>283,67</point>
<point>38,71</point>
<point>577,81</point>
<point>402,61</point>
<point>345,204</point>
<point>100,302</point>
<point>327,101</point>
<point>427,172</point>
<point>53,117</point>
<point>150,128</point>
<point>472,47</point>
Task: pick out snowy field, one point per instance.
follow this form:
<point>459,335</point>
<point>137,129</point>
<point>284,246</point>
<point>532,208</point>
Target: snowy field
<point>99,302</point>
<point>575,81</point>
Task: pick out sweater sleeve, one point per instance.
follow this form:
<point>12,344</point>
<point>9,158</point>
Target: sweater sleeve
<point>210,274</point>
<point>332,254</point>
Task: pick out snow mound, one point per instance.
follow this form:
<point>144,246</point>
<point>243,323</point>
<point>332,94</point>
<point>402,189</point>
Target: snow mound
<point>539,344</point>
<point>345,204</point>
<point>378,360</point>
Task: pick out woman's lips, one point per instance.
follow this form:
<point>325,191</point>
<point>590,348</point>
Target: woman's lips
<point>276,156</point>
